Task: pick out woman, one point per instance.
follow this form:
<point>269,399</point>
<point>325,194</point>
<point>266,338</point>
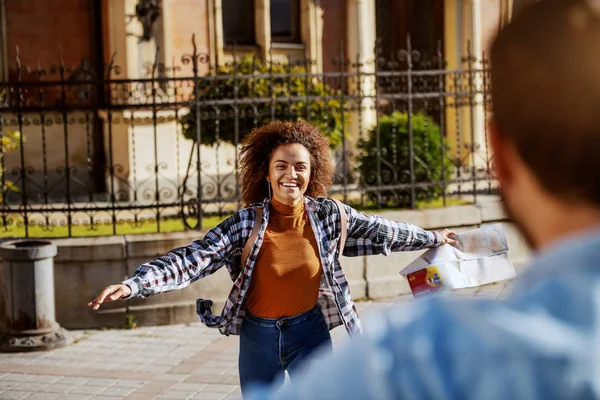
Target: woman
<point>289,288</point>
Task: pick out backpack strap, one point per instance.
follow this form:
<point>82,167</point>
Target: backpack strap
<point>343,226</point>
<point>253,236</point>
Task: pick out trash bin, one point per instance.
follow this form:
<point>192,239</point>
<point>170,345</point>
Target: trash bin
<point>27,314</point>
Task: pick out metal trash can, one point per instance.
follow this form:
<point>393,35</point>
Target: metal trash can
<point>27,314</point>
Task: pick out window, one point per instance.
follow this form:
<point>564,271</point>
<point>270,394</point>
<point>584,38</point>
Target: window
<point>285,21</point>
<point>238,22</point>
<point>3,53</point>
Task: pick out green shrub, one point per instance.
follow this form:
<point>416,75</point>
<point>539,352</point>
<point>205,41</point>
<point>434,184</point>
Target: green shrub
<point>395,158</point>
<point>326,114</point>
<point>10,141</point>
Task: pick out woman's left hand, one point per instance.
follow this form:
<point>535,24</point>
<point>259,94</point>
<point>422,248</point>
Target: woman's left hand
<point>447,237</point>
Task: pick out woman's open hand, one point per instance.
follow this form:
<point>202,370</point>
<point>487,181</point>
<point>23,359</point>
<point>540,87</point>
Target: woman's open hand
<point>110,293</point>
<point>447,237</point>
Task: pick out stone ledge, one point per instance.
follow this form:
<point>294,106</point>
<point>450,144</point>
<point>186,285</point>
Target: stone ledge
<point>492,210</point>
<point>387,287</point>
<point>156,244</point>
<point>358,289</point>
<point>436,218</point>
<point>103,248</point>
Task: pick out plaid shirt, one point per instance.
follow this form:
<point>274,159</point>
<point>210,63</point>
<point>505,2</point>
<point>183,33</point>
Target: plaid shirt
<point>223,245</point>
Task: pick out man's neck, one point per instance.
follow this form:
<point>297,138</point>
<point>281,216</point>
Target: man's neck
<point>563,221</point>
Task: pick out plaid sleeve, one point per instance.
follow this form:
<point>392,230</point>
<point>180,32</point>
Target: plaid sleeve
<point>184,265</point>
<point>371,234</point>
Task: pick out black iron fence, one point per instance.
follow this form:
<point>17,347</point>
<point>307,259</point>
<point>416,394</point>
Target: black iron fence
<point>88,152</point>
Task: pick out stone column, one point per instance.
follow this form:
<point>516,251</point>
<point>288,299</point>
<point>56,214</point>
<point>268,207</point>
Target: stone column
<point>215,31</point>
<point>506,11</point>
<point>475,116</point>
<point>262,24</point>
<point>311,17</point>
<point>360,49</point>
<point>463,33</point>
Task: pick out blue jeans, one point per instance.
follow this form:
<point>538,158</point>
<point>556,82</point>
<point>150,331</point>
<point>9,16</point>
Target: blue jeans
<point>268,347</point>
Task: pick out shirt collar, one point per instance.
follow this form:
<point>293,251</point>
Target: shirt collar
<point>576,252</point>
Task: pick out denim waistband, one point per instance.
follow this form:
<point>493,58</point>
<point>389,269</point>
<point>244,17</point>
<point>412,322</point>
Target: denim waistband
<point>288,321</point>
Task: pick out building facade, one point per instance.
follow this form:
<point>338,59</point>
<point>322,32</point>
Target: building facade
<point>126,39</point>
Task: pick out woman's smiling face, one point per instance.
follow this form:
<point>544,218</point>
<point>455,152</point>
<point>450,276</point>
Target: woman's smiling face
<point>289,173</point>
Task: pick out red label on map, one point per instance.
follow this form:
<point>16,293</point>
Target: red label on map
<point>425,281</point>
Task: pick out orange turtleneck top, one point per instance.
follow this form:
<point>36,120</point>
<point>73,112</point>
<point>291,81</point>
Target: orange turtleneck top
<point>287,273</point>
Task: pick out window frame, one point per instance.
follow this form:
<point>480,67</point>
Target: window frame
<point>295,26</point>
<point>236,41</point>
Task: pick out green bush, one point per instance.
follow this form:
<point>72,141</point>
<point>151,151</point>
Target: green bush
<point>326,114</point>
<point>395,158</point>
<point>10,141</point>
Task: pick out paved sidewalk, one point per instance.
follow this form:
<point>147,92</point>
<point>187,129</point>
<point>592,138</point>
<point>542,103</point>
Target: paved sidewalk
<point>164,362</point>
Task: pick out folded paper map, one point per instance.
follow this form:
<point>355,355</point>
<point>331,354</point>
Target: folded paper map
<point>480,257</point>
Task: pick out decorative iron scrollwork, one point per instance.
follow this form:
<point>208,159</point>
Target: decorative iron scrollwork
<point>147,12</point>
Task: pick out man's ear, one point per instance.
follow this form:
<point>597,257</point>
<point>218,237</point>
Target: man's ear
<point>500,154</point>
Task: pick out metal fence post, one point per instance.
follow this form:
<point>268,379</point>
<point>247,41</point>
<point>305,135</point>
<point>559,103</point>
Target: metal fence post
<point>27,318</point>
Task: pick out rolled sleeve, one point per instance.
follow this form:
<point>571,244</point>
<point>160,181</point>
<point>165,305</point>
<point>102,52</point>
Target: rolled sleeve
<point>135,284</point>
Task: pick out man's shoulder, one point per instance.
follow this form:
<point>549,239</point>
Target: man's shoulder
<point>570,270</point>
<point>569,296</point>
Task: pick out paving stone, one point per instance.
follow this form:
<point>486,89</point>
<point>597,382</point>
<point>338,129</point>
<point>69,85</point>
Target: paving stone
<point>156,369</point>
<point>45,396</point>
<point>108,366</point>
<point>89,390</point>
<point>73,381</point>
<point>31,386</point>
<point>116,391</point>
<point>210,371</point>
<point>58,388</point>
<point>140,396</point>
<point>47,363</point>
<point>16,377</point>
<point>9,385</point>
<point>217,388</point>
<point>168,362</point>
<point>155,388</point>
<point>46,378</point>
<point>14,395</point>
<point>209,396</point>
<point>221,364</point>
<point>229,357</point>
<point>76,364</point>
<point>72,397</point>
<point>177,395</point>
<point>104,383</point>
<point>130,384</point>
<point>172,377</point>
<point>128,366</point>
<point>59,356</point>
<point>190,387</point>
<point>19,361</point>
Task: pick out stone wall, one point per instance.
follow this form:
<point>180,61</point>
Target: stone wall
<point>84,266</point>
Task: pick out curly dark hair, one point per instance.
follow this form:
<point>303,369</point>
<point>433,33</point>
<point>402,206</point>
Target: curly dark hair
<point>259,145</point>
